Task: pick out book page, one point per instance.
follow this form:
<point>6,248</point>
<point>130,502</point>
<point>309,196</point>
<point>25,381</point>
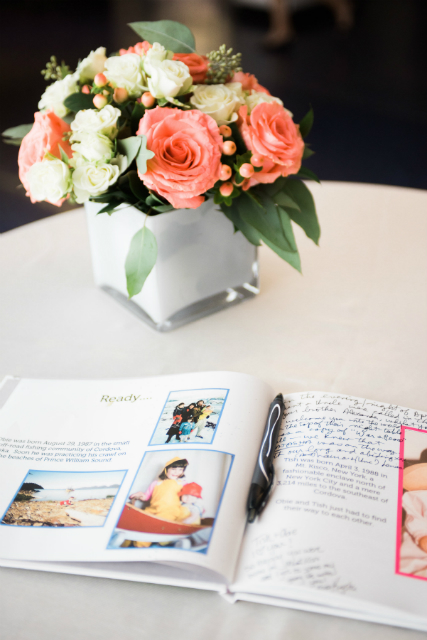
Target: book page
<point>153,469</point>
<point>342,524</point>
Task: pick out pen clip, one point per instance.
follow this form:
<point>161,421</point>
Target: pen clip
<point>268,491</point>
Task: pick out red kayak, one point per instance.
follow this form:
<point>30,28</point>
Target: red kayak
<point>134,519</point>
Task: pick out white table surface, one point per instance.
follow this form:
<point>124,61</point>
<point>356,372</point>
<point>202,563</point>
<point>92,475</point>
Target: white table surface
<point>354,323</point>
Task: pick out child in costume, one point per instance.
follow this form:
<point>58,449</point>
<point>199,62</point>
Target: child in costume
<point>163,493</point>
<point>413,552</point>
<point>191,496</point>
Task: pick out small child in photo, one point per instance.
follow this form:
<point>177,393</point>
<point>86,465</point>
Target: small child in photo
<point>186,429</point>
<point>191,497</point>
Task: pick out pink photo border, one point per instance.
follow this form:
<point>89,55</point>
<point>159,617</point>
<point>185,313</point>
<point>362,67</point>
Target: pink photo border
<point>399,501</point>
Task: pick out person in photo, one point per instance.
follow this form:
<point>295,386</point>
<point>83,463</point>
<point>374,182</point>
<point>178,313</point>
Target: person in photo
<point>188,412</point>
<point>163,493</point>
<point>413,552</point>
<point>206,412</point>
<point>174,429</point>
<point>186,429</point>
<point>191,497</point>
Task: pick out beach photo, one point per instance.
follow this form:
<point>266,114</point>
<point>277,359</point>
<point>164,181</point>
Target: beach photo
<point>190,415</point>
<point>411,556</point>
<point>64,499</point>
<point>174,500</point>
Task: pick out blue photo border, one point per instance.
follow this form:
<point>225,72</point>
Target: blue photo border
<point>5,524</point>
<point>204,551</point>
<point>187,390</point>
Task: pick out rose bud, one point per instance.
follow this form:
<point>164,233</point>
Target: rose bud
<point>229,148</point>
<point>147,99</point>
<point>86,88</point>
<point>246,170</point>
<point>120,95</point>
<point>257,161</point>
<point>225,172</point>
<point>225,131</point>
<point>100,80</point>
<point>99,101</point>
<point>226,189</point>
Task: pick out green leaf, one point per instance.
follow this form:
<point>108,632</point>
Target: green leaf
<point>232,213</point>
<point>307,153</point>
<point>77,101</point>
<point>307,174</point>
<point>266,220</point>
<point>306,218</point>
<point>129,147</point>
<point>137,114</point>
<point>172,35</point>
<point>110,207</point>
<point>64,156</point>
<point>140,260</point>
<point>284,200</point>
<point>137,186</point>
<point>306,123</point>
<point>15,142</point>
<point>143,155</point>
<point>291,257</point>
<point>164,208</point>
<point>17,133</point>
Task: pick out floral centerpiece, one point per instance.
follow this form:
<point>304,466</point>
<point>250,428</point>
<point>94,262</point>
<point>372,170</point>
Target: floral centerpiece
<point>159,127</point>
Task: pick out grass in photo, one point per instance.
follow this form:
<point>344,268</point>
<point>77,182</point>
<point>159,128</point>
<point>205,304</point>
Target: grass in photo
<point>411,553</point>
<point>64,499</point>
<point>191,415</point>
<point>174,500</point>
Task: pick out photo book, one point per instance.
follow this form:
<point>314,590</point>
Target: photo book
<point>148,480</point>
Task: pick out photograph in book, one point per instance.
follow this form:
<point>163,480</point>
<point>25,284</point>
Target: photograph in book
<point>411,545</point>
<point>174,500</point>
<point>64,499</point>
<point>191,415</point>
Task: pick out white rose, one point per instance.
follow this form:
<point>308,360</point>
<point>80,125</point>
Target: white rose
<point>157,53</point>
<point>220,101</point>
<point>48,180</point>
<point>92,179</point>
<point>256,97</point>
<point>126,72</point>
<point>93,64</point>
<point>169,78</point>
<point>55,94</point>
<point>94,147</point>
<point>103,121</point>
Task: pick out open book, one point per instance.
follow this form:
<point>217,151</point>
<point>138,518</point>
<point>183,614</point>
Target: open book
<point>148,480</point>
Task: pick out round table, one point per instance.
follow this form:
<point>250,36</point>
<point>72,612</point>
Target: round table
<point>354,323</point>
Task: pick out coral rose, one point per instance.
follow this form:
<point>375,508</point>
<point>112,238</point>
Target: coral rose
<point>197,65</point>
<point>45,136</point>
<point>270,132</point>
<point>187,161</point>
<point>140,48</point>
<point>249,82</point>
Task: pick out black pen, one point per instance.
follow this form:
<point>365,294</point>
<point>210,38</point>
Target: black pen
<point>263,477</point>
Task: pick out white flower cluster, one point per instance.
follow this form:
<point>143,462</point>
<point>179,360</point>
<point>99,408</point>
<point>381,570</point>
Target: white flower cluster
<point>92,138</point>
<point>220,101</point>
<point>55,94</point>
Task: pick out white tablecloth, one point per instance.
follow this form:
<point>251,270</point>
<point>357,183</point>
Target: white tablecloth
<point>354,323</point>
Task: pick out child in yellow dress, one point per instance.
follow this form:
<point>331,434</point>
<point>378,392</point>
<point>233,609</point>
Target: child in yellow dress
<point>164,493</point>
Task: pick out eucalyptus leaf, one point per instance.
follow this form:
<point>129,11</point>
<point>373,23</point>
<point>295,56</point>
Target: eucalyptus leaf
<point>15,142</point>
<point>140,260</point>
<point>77,101</point>
<point>137,114</point>
<point>307,153</point>
<point>172,35</point>
<point>143,155</point>
<point>164,208</point>
<point>129,147</point>
<point>17,133</point>
<point>306,218</point>
<point>306,123</point>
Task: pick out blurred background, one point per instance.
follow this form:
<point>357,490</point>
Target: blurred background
<point>361,64</point>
